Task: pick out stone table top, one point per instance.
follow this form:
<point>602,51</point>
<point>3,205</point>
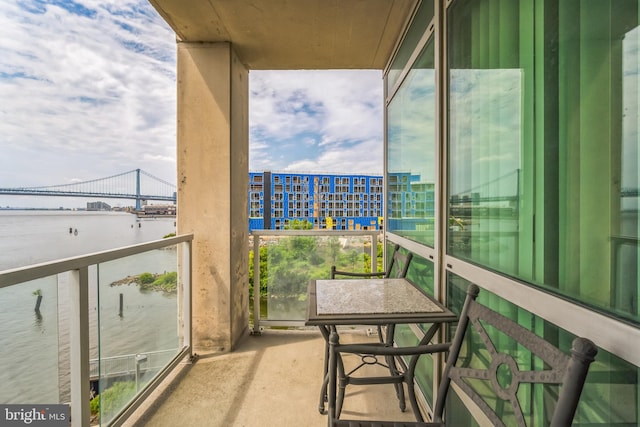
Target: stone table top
<point>369,296</point>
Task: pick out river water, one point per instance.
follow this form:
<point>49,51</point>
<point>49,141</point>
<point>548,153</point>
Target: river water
<point>34,346</point>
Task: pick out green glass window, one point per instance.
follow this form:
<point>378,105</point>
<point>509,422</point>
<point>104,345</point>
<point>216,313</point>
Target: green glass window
<point>543,143</point>
<point>411,153</point>
<point>542,157</point>
<point>488,77</point>
<point>404,336</point>
<point>421,273</point>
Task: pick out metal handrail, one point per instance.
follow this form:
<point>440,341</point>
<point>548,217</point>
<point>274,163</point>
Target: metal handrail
<point>125,363</point>
<point>37,271</point>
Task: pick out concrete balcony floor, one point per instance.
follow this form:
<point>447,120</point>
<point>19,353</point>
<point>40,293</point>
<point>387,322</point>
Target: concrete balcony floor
<point>270,380</point>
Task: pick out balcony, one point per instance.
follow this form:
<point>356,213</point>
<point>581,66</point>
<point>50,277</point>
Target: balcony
<point>97,343</point>
<point>88,337</point>
<point>272,376</point>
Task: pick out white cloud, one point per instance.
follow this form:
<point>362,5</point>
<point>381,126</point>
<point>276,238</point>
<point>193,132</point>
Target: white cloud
<point>364,157</point>
<point>91,81</point>
<point>339,111</point>
<point>87,90</point>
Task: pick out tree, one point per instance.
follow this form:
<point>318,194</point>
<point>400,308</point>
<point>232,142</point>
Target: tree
<point>301,247</point>
<point>264,270</point>
<point>288,282</point>
<point>297,224</point>
<point>334,249</point>
<point>353,258</point>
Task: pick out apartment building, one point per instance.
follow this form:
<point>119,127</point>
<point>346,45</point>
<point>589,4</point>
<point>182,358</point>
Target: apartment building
<point>340,202</point>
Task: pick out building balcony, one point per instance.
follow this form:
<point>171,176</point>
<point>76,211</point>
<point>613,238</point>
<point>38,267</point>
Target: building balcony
<point>111,334</point>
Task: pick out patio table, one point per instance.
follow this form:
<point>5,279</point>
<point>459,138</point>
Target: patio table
<point>331,303</point>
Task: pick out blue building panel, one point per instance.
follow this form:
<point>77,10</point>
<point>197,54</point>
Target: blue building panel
<point>256,224</point>
<point>342,202</point>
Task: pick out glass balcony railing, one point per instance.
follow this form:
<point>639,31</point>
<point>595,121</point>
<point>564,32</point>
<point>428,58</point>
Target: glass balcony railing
<point>96,332</point>
<point>288,259</point>
<point>31,359</point>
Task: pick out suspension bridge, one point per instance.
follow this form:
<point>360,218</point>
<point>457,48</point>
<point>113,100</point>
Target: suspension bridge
<point>136,184</point>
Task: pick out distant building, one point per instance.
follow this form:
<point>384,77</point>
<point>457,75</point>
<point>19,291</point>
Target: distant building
<point>158,210</point>
<point>340,202</point>
<point>411,204</point>
<point>98,206</point>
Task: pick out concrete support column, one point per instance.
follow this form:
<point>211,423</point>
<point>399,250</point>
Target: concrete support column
<point>212,157</point>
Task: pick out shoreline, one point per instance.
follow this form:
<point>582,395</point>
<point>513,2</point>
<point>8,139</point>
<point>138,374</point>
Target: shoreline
<point>167,287</point>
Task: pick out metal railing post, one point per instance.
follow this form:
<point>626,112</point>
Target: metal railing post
<point>256,284</point>
<point>187,303</point>
<point>79,346</point>
<point>374,252</point>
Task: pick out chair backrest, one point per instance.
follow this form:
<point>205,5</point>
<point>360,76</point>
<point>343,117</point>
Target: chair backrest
<point>500,355</point>
<point>401,263</point>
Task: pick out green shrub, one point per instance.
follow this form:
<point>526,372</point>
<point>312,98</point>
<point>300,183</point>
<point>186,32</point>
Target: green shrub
<point>167,282</point>
<point>94,405</point>
<point>146,278</point>
<point>111,400</point>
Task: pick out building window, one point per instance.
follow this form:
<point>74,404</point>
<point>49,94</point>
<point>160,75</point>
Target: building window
<point>412,142</point>
<point>548,198</point>
<point>540,159</point>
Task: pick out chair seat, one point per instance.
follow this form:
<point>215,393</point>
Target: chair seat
<point>361,423</point>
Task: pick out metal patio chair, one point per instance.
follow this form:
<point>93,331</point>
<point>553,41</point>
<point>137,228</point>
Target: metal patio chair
<point>397,258</point>
<point>502,377</point>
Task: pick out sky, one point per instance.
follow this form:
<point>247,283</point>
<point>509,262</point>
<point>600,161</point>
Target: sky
<point>88,90</point>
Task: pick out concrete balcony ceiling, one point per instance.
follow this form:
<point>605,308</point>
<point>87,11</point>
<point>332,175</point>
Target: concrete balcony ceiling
<point>294,34</point>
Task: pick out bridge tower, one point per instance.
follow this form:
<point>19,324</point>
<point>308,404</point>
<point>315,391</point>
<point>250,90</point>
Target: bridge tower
<point>138,201</point>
